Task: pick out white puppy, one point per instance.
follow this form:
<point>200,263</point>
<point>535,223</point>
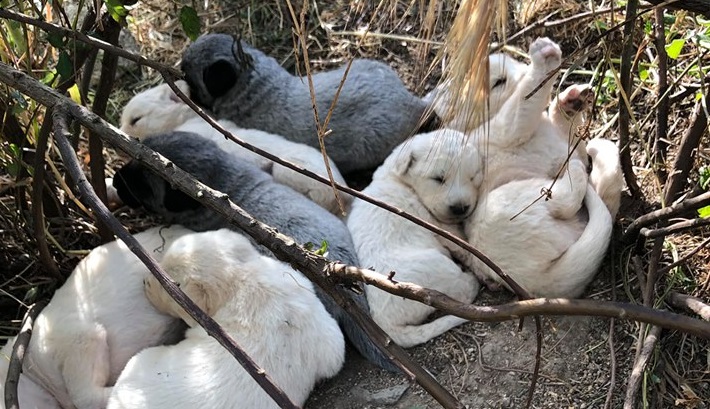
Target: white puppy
<point>30,394</point>
<point>556,251</point>
<point>96,322</point>
<point>432,177</point>
<point>270,310</point>
<point>159,110</point>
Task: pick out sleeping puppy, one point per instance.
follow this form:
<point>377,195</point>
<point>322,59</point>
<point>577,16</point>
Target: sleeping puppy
<point>158,110</point>
<point>432,177</point>
<point>96,322</point>
<point>373,114</point>
<point>254,191</point>
<point>270,310</point>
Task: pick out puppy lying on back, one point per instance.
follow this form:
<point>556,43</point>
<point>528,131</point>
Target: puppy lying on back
<point>269,309</point>
<point>159,110</point>
<point>96,322</point>
<point>432,177</point>
<point>254,191</point>
<point>373,114</point>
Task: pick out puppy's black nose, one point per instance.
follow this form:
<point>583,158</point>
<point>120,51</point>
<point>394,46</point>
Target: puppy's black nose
<point>459,209</point>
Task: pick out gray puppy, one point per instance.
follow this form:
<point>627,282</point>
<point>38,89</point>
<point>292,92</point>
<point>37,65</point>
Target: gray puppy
<point>256,192</point>
<point>373,114</point>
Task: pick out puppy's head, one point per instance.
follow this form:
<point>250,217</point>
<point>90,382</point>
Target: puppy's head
<point>208,267</point>
<point>504,76</point>
<point>138,186</point>
<point>443,171</point>
<point>213,65</point>
<point>155,110</point>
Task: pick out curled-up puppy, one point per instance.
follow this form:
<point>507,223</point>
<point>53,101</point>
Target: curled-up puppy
<point>556,251</point>
<point>373,114</point>
<point>30,394</point>
<point>269,309</point>
<point>432,177</point>
<point>254,191</point>
<point>97,321</point>
<point>158,110</point>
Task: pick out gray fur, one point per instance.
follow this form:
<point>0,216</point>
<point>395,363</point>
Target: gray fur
<point>256,192</point>
<point>374,112</point>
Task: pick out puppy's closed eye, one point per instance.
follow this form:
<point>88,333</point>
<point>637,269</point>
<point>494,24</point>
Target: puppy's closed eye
<point>135,120</point>
<point>499,82</point>
<point>439,179</point>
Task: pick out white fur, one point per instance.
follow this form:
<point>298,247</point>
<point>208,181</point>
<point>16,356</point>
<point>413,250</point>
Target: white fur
<point>387,242</point>
<point>543,244</point>
<point>266,306</point>
<point>159,110</point>
<point>30,394</point>
<point>96,322</point>
<point>606,175</point>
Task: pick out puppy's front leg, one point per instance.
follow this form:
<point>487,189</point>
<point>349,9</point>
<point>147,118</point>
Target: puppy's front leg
<point>86,369</point>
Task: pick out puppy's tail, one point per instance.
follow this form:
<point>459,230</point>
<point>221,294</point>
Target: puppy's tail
<point>578,265</point>
<point>606,175</point>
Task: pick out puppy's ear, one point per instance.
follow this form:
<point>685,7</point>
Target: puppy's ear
<point>219,77</point>
<point>131,186</point>
<point>177,201</point>
<point>405,159</point>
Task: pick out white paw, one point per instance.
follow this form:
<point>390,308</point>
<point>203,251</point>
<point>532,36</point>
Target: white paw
<point>575,99</point>
<point>545,54</point>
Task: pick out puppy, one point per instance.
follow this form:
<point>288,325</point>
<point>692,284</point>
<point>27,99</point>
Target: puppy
<point>432,177</point>
<point>254,191</point>
<point>96,322</point>
<point>159,110</point>
<point>373,114</point>
<point>30,394</point>
<point>269,309</point>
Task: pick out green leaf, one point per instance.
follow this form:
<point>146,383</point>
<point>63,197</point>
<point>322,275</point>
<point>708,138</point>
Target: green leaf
<point>56,40</point>
<point>704,173</point>
<point>65,68</point>
<point>323,248</point>
<point>190,22</point>
<point>643,74</point>
<point>673,49</point>
<point>116,9</point>
<point>704,212</point>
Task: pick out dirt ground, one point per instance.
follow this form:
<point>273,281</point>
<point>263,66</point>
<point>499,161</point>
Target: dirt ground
<point>485,365</point>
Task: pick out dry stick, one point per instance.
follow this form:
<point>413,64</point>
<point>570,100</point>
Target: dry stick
<point>18,355</point>
<point>637,373</point>
<point>170,73</point>
<point>37,195</point>
<point>684,160</point>
<point>79,36</point>
<point>109,63</point>
<point>663,214</point>
<point>627,56</point>
<point>62,112</point>
<point>685,258</point>
<point>675,228</point>
<point>661,143</point>
<point>693,304</point>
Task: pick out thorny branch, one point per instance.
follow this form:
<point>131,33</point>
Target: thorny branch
<point>61,118</point>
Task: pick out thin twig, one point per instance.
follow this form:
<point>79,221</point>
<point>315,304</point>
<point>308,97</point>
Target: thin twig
<point>663,214</point>
<point>693,304</point>
<point>675,228</point>
<point>685,258</point>
<point>61,133</point>
<point>661,142</point>
<point>637,373</point>
<point>18,355</point>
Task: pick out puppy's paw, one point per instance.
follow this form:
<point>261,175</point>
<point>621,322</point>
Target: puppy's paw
<point>545,54</point>
<point>575,99</point>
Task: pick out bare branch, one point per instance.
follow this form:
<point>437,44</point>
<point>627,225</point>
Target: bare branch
<point>637,373</point>
<point>18,355</point>
<point>666,213</point>
<point>693,304</point>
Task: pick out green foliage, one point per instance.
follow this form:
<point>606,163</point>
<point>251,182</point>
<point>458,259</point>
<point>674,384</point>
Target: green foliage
<point>117,10</point>
<point>321,251</point>
<point>190,22</point>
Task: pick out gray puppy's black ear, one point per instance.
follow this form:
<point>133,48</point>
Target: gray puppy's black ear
<point>131,186</point>
<point>219,77</point>
<point>177,201</point>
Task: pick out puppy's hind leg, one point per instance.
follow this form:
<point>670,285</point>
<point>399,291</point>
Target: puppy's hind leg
<point>86,369</point>
<point>567,194</point>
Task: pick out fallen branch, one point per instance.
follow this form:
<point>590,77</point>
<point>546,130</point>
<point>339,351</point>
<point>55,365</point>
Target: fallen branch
<point>524,308</point>
<point>639,366</point>
<point>61,117</point>
<point>663,214</point>
<point>675,228</point>
<point>693,304</point>
<point>18,355</point>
